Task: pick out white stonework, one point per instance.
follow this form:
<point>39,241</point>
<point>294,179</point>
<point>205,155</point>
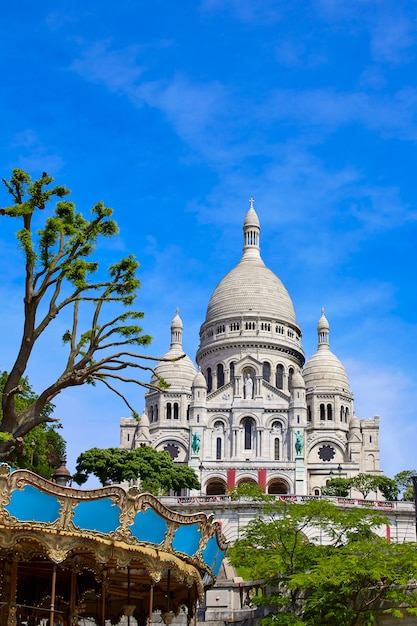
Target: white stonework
<point>254,410</point>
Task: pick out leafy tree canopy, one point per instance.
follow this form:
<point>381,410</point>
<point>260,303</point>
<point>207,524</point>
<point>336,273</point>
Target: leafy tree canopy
<point>323,565</point>
<point>365,484</point>
<point>404,481</point>
<point>43,449</point>
<point>337,487</point>
<point>60,274</point>
<point>157,472</point>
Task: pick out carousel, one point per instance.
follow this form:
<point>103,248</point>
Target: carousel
<point>71,556</point>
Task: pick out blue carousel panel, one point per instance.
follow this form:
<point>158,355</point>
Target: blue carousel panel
<point>149,526</point>
<point>100,515</point>
<point>218,562</point>
<point>210,552</point>
<point>187,539</point>
<point>32,505</point>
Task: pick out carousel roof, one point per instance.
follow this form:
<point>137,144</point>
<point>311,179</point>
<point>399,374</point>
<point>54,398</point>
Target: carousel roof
<point>124,541</point>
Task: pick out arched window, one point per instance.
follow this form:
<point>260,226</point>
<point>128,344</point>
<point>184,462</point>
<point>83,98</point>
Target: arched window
<point>175,410</point>
<point>220,375</point>
<point>248,434</point>
<point>322,412</point>
<point>209,380</point>
<point>218,448</point>
<point>346,415</point>
<point>329,412</point>
<point>169,411</point>
<point>266,371</point>
<point>156,412</point>
<point>151,414</point>
<point>277,486</point>
<point>216,487</point>
<point>342,413</point>
<point>276,449</point>
<point>290,375</point>
<point>280,377</point>
<point>309,418</point>
<point>232,372</point>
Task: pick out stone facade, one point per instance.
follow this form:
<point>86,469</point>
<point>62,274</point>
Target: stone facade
<point>253,410</point>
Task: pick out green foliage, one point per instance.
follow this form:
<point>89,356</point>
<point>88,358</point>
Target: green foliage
<point>404,481</point>
<point>324,565</point>
<point>367,483</point>
<point>338,487</point>
<point>60,274</point>
<point>43,449</point>
<point>155,469</point>
<point>249,491</point>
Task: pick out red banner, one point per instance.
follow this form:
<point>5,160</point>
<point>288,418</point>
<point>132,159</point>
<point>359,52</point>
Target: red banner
<point>262,478</point>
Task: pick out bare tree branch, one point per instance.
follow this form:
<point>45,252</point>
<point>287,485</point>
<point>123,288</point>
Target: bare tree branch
<point>63,258</point>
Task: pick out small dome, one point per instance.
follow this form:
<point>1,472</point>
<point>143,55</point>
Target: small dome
<point>177,322</point>
<point>297,381</point>
<point>180,373</point>
<point>324,370</point>
<point>251,218</point>
<point>323,323</point>
<point>144,420</point>
<point>199,380</point>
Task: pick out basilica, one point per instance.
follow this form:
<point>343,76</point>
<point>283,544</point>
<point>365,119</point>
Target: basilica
<point>254,410</point>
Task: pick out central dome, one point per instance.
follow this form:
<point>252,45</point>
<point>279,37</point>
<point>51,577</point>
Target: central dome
<point>250,287</point>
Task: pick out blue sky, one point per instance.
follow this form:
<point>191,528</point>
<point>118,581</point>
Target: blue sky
<point>175,114</point>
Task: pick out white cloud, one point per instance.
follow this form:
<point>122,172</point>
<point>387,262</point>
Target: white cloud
<point>118,70</point>
<point>34,155</point>
<point>327,110</point>
<point>248,11</point>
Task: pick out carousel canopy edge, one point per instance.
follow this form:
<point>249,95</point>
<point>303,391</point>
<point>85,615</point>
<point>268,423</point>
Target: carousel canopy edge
<point>111,512</point>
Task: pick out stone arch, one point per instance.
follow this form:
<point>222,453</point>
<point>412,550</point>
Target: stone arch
<point>278,486</point>
<point>216,487</point>
<point>277,417</point>
<point>217,418</point>
<point>371,462</point>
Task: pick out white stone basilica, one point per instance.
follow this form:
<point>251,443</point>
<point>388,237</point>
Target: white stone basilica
<point>254,411</point>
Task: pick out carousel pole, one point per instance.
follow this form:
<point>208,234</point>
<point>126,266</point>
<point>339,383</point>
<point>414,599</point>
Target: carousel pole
<point>52,611</point>
<point>128,594</point>
<point>150,605</point>
<point>73,596</point>
<point>103,598</point>
<point>11,618</point>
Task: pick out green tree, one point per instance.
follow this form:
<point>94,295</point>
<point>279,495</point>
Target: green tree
<point>388,487</point>
<point>404,481</point>
<point>43,449</point>
<point>59,275</point>
<point>367,483</point>
<point>338,487</point>
<point>157,472</point>
<point>323,565</point>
